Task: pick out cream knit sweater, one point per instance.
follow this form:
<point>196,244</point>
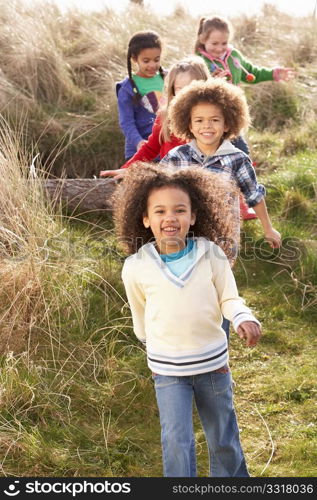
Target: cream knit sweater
<point>179,318</point>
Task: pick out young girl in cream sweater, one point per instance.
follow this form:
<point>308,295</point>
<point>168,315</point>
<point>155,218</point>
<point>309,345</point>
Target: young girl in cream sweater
<point>179,225</point>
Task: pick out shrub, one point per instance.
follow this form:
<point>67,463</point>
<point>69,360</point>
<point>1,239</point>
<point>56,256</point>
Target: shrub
<point>296,205</point>
<point>273,105</point>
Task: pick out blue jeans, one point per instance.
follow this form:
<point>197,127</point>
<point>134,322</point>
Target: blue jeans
<point>213,397</point>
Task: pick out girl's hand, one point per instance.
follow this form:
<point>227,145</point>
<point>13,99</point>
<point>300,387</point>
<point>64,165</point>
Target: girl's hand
<point>284,74</point>
<point>250,331</point>
<point>220,73</point>
<point>116,174</point>
<point>273,238</point>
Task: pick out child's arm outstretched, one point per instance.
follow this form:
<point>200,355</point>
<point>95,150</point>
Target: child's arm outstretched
<point>271,235</point>
<point>253,74</point>
<point>254,195</point>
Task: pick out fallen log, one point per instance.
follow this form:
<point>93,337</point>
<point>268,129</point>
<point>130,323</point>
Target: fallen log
<point>80,194</point>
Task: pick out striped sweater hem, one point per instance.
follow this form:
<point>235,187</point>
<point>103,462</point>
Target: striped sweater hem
<point>189,364</point>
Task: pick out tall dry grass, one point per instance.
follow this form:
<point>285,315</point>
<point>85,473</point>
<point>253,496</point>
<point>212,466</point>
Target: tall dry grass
<point>54,366</point>
<point>61,71</point>
<point>25,225</point>
<point>44,265</point>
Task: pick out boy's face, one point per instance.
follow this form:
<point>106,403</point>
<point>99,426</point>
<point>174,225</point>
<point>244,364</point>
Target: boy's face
<point>217,43</point>
<point>207,124</point>
<point>169,215</point>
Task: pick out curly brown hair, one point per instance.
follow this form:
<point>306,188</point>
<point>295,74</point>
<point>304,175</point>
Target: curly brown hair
<point>229,98</point>
<point>213,199</point>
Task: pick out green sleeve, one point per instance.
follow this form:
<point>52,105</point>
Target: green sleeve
<point>261,74</point>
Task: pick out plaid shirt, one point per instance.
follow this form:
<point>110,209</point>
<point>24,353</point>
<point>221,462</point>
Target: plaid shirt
<point>226,159</point>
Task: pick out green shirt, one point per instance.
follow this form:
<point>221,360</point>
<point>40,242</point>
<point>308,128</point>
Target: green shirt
<point>147,85</point>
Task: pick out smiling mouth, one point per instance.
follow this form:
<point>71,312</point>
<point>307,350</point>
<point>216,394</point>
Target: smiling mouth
<point>207,134</point>
<point>170,230</point>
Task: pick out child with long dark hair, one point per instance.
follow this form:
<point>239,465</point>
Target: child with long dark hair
<point>140,92</point>
<point>179,226</point>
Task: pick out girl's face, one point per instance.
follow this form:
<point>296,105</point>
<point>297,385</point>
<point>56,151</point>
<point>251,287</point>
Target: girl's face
<point>169,215</point>
<point>217,43</point>
<point>148,62</point>
<point>207,124</point>
<point>181,80</point>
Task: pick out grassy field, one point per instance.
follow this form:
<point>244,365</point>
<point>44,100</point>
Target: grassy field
<point>76,396</point>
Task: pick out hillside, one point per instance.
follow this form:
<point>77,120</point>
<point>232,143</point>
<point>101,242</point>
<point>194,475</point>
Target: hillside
<point>76,396</point>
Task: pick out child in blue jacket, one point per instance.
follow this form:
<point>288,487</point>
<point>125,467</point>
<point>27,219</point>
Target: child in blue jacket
<point>139,93</point>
